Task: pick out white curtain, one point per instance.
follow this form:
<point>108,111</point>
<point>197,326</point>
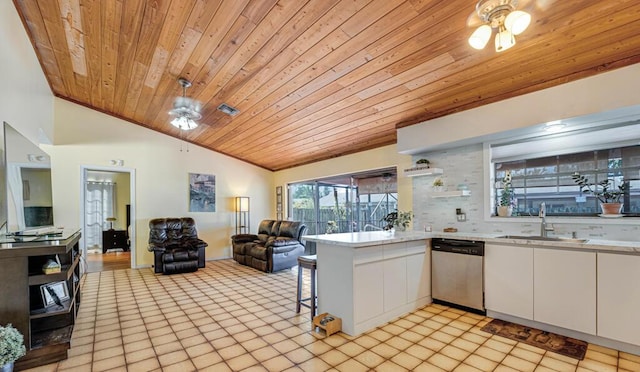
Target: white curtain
<point>100,199</point>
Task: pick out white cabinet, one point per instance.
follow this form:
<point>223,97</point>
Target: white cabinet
<point>508,279</point>
<point>418,273</point>
<point>368,298</point>
<point>368,286</point>
<point>565,289</point>
<point>619,297</point>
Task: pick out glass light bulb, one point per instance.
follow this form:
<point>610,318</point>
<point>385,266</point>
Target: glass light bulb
<point>504,40</point>
<point>517,21</point>
<point>480,37</point>
<point>184,123</point>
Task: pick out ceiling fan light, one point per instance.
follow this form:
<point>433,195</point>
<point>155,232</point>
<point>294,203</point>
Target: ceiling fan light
<point>480,37</point>
<point>517,21</point>
<point>504,40</point>
<point>184,123</point>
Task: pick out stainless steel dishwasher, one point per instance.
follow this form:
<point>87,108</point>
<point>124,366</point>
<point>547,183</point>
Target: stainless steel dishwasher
<point>457,276</point>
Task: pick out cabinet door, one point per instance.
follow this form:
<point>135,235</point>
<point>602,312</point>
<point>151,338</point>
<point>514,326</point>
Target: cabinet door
<point>418,275</point>
<point>619,297</point>
<point>565,289</point>
<point>367,291</point>
<point>395,283</point>
<point>508,275</point>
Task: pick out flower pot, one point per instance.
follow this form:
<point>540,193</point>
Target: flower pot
<point>505,210</point>
<point>611,208</point>
<point>7,367</point>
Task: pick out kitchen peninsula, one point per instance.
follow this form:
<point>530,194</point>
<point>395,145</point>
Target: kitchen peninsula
<point>370,278</point>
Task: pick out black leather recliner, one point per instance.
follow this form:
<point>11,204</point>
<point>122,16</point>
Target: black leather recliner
<point>175,245</point>
<point>276,246</point>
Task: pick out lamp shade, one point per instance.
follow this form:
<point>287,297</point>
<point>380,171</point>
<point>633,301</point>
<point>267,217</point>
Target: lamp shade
<point>517,21</point>
<point>504,40</point>
<point>242,204</point>
<point>480,37</point>
<point>184,123</point>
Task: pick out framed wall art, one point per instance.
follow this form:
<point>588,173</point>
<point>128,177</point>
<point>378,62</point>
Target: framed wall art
<point>202,192</point>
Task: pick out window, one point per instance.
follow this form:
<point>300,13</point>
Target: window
<point>548,179</point>
<point>356,202</point>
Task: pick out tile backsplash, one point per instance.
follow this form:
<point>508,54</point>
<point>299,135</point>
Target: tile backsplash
<point>465,166</point>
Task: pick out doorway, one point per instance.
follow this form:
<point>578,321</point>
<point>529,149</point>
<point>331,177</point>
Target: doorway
<point>107,218</point>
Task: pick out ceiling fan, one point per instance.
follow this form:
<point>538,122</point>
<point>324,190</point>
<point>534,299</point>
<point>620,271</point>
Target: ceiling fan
<point>186,110</point>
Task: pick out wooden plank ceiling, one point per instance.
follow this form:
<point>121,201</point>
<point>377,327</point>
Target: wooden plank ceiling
<point>313,79</point>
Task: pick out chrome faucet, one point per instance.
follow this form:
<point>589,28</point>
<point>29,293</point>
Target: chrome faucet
<point>544,229</point>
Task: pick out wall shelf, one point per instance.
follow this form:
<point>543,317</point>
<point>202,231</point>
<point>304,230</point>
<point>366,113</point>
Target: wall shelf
<point>421,171</point>
<point>450,194</point>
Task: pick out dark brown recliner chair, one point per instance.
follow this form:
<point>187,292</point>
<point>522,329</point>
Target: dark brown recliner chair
<point>276,246</point>
<point>175,245</point>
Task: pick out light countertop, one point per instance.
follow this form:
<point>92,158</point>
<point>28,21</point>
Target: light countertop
<point>370,238</point>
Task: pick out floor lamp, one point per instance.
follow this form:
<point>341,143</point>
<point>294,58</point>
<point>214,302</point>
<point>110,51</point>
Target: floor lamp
<point>242,215</point>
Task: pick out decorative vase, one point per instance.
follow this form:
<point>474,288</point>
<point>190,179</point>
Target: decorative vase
<point>505,210</point>
<point>7,367</point>
<point>611,208</point>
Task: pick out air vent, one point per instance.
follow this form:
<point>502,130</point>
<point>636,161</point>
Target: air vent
<point>228,109</point>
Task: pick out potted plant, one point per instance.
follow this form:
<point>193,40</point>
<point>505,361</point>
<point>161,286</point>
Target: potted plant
<point>438,184</point>
<point>603,191</point>
<point>397,220</point>
<point>507,197</point>
<point>423,163</point>
<point>11,347</point>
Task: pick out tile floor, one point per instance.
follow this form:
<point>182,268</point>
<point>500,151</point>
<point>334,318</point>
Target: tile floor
<point>229,317</point>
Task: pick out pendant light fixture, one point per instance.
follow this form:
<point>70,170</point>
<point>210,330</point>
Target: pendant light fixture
<point>186,110</point>
<point>502,16</point>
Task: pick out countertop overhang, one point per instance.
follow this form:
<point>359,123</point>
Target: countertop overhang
<point>370,238</point>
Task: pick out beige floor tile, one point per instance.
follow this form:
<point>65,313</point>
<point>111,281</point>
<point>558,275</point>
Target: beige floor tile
<point>432,344</point>
<point>443,361</point>
<point>172,358</point>
<point>264,353</point>
<point>481,363</point>
<point>389,366</point>
<point>184,366</point>
<point>603,350</point>
<point>631,357</point>
<point>428,367</point>
<point>465,345</point>
<point>595,365</point>
<point>519,364</point>
<point>315,364</point>
<point>279,363</point>
<point>241,362</point>
<point>318,347</point>
<point>369,359</point>
<point>380,335</point>
<point>406,360</point>
<point>556,364</point>
<point>466,368</point>
<point>385,351</point>
<point>285,346</point>
<point>442,336</point>
<point>629,365</point>
<point>527,355</point>
<point>607,358</point>
<point>108,364</point>
<point>139,355</point>
<point>491,354</point>
<point>352,365</point>
<point>499,345</point>
<point>334,357</point>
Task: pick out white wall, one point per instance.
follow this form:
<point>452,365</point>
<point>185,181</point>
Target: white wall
<point>26,101</point>
<point>85,137</point>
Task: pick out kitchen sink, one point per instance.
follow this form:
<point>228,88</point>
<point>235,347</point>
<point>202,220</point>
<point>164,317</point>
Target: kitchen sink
<point>543,238</point>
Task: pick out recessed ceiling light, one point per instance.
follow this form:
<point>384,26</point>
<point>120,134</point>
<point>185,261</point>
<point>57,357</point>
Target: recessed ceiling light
<point>228,109</point>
